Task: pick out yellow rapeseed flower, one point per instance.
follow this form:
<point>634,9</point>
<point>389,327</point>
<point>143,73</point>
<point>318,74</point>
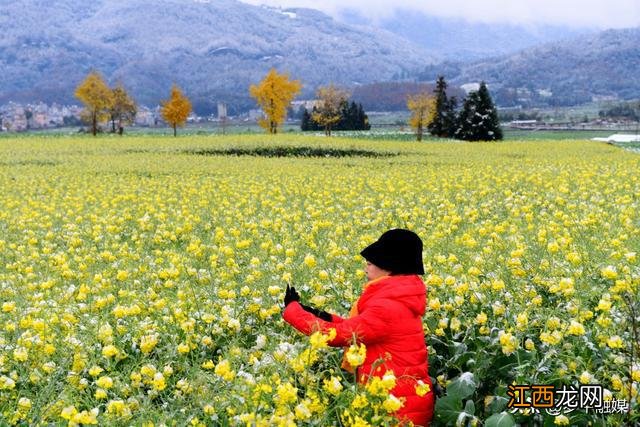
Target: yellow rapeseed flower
<point>392,403</point>
<point>148,343</point>
<point>104,382</point>
<point>110,351</point>
<point>356,355</point>
<point>576,328</point>
<point>609,272</point>
<point>615,342</point>
<point>332,385</point>
<point>223,370</point>
<point>286,393</point>
<point>422,388</point>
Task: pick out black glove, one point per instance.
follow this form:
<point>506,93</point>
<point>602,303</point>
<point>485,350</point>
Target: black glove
<point>290,295</point>
<point>318,313</point>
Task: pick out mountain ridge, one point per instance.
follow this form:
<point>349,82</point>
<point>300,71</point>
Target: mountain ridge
<point>459,39</point>
<point>214,50</point>
<point>586,68</point>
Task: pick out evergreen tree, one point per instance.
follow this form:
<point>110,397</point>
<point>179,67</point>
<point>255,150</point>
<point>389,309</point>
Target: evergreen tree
<point>478,120</point>
<point>363,119</point>
<point>345,122</point>
<point>450,118</point>
<point>352,117</point>
<point>313,125</point>
<point>439,126</point>
<point>304,120</point>
<point>466,125</point>
<point>490,129</point>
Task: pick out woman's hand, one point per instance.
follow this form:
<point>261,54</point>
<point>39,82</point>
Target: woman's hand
<point>290,295</point>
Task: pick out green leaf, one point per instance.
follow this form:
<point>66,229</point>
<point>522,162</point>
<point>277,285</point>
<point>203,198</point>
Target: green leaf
<point>503,419</point>
<point>470,407</point>
<point>448,409</point>
<point>498,403</point>
<point>459,348</point>
<point>462,386</point>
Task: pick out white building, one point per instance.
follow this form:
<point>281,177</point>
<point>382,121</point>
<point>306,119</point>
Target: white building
<point>619,137</point>
<point>306,103</point>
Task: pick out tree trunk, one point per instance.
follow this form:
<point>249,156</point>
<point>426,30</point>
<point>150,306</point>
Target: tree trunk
<point>113,124</point>
<point>94,123</point>
<point>175,132</point>
<point>419,132</point>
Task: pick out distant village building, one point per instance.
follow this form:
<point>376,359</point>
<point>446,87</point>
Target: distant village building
<point>601,98</point>
<point>222,110</point>
<point>14,117</point>
<point>17,117</point>
<point>145,117</point>
<point>255,114</point>
<point>619,137</point>
<point>306,103</point>
<point>522,123</point>
<point>545,93</point>
<point>38,116</point>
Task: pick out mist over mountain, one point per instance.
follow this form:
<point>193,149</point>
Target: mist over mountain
<point>604,65</point>
<point>213,49</point>
<point>461,40</point>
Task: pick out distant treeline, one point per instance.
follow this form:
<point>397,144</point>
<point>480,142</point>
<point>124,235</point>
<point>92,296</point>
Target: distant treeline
<point>352,117</point>
<point>623,111</point>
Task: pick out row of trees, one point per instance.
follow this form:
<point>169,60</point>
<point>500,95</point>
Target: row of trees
<point>331,111</point>
<point>623,111</point>
<point>103,103</point>
<point>477,120</point>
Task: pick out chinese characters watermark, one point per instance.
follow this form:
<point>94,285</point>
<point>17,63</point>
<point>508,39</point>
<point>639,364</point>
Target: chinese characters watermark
<point>564,399</point>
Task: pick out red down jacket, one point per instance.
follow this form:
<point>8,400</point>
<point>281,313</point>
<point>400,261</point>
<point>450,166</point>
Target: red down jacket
<point>389,324</point>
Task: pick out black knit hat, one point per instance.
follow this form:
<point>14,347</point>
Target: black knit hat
<point>398,251</point>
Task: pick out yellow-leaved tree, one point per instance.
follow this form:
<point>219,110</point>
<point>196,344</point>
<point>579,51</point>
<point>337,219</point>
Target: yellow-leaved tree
<point>327,111</point>
<point>97,99</point>
<point>274,94</point>
<point>423,111</point>
<point>176,109</point>
<point>123,109</point>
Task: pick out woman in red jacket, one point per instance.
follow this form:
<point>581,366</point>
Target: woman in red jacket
<point>387,319</point>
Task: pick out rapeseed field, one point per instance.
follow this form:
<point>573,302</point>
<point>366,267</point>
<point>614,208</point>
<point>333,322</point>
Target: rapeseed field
<point>141,278</point>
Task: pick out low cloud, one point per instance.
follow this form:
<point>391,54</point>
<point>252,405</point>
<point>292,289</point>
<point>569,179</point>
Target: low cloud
<point>574,13</point>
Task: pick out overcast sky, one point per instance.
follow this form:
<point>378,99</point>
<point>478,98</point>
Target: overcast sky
<point>575,13</point>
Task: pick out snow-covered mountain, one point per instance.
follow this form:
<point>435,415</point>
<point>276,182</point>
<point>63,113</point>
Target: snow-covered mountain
<point>213,49</point>
<point>462,40</point>
<point>604,65</point>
